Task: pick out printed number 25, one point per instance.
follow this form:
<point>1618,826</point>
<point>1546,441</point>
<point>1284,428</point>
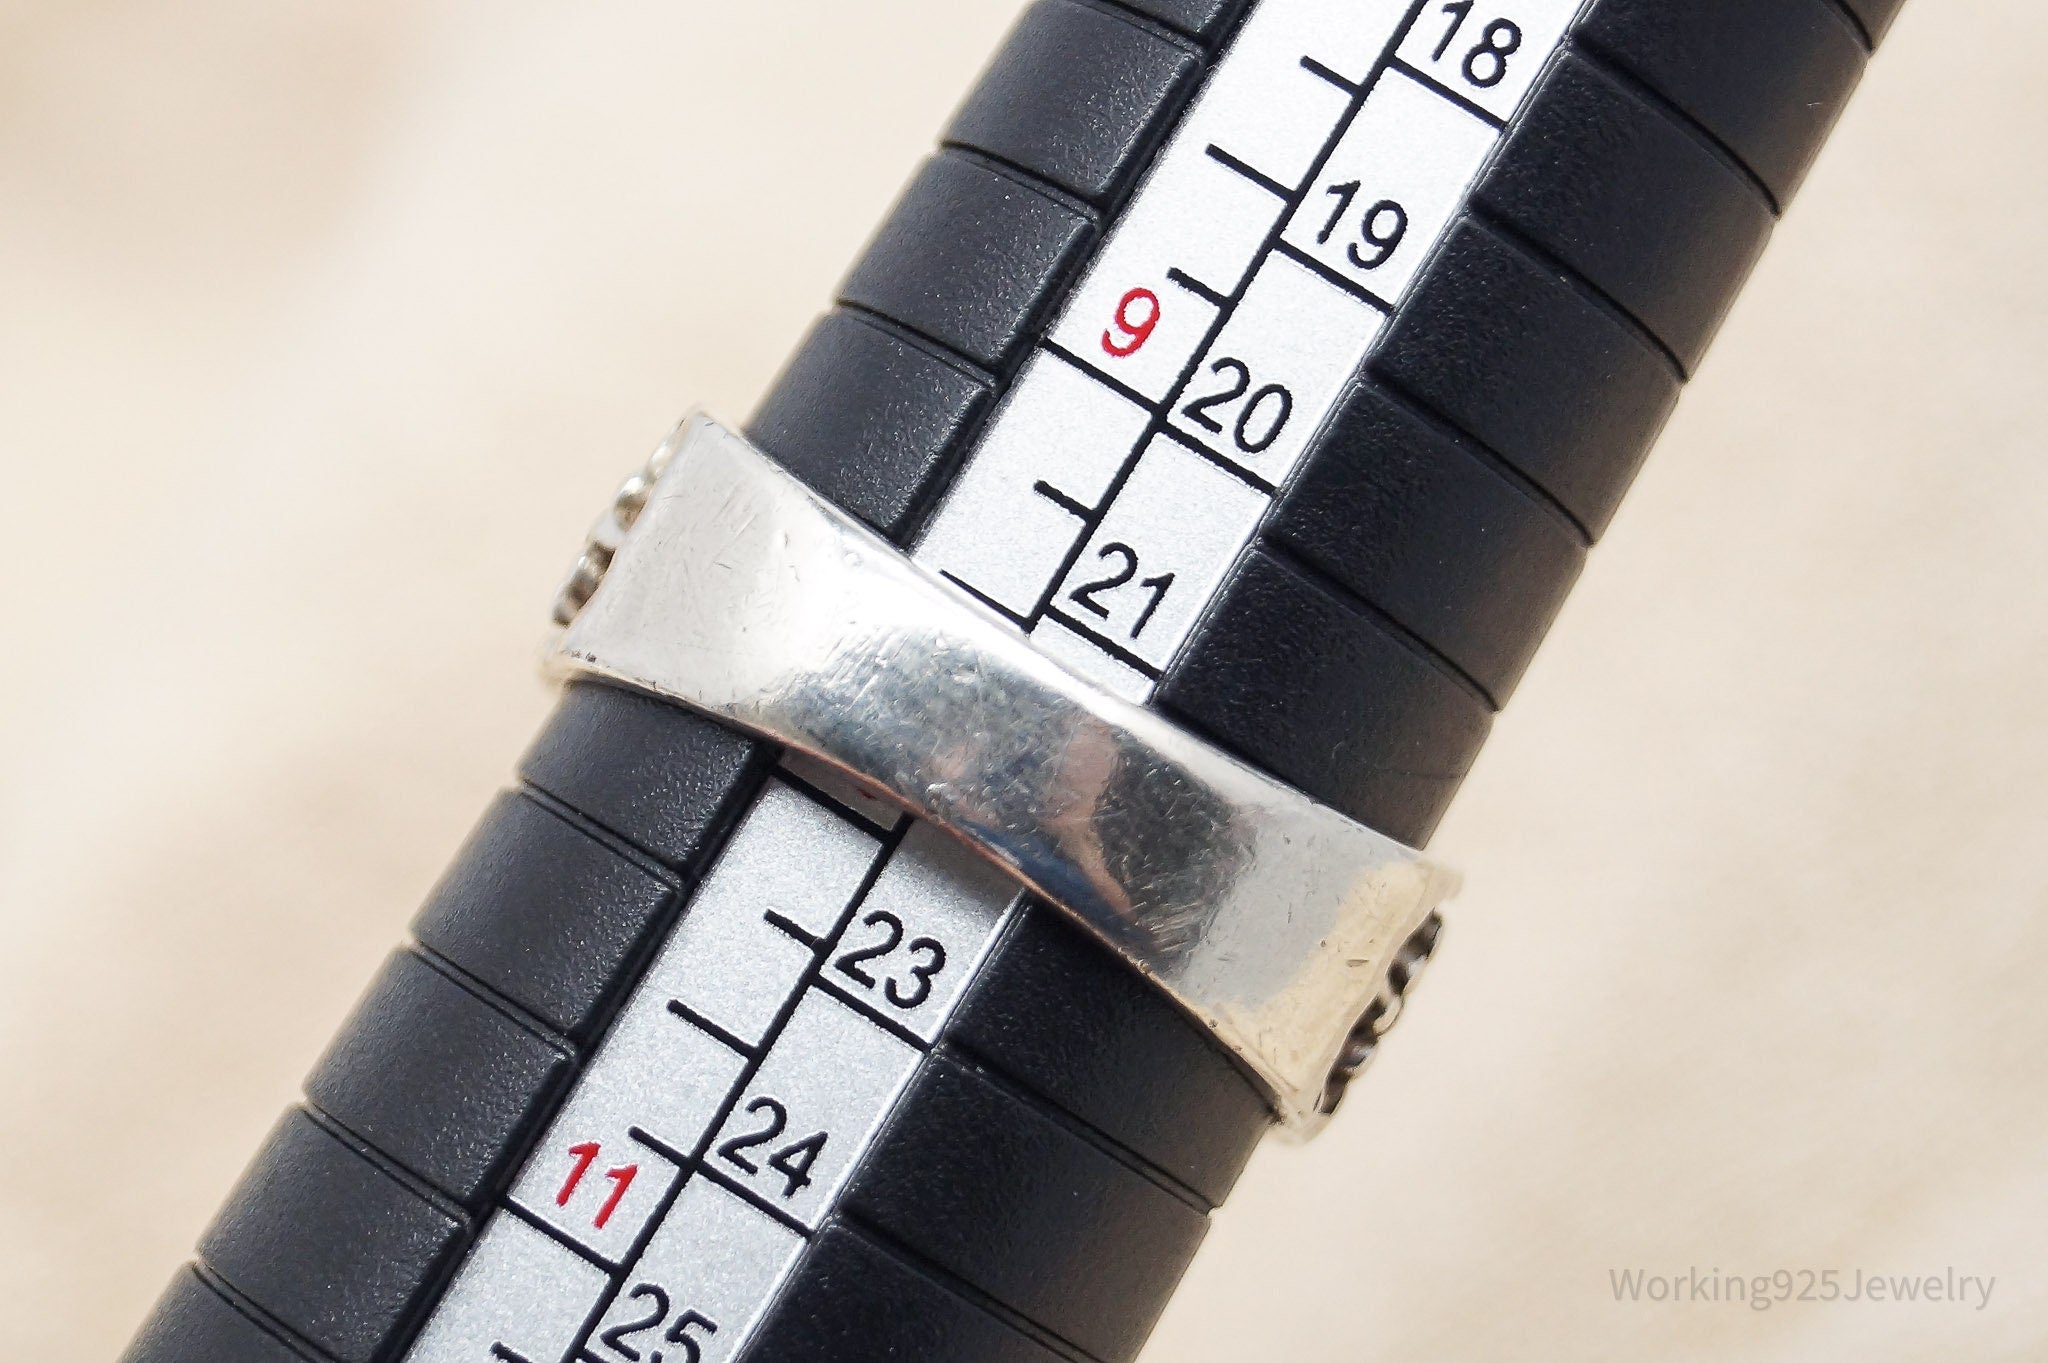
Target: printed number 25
<point>688,1349</point>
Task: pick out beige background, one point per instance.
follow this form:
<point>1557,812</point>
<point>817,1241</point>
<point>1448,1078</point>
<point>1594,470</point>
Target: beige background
<point>324,329</point>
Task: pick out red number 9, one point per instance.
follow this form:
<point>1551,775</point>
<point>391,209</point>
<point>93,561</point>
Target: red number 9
<point>1135,330</point>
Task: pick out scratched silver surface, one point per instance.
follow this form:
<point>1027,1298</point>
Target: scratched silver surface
<point>1273,919</point>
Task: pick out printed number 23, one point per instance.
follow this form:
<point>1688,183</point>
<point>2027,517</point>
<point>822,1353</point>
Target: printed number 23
<point>928,958</point>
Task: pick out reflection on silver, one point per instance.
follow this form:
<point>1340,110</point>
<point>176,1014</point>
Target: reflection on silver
<point>1276,921</point>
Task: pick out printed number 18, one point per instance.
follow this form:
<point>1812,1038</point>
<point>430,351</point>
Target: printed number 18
<point>1487,64</point>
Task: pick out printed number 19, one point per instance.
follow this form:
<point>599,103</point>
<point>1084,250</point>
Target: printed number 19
<point>1383,229</point>
<point>1137,315</point>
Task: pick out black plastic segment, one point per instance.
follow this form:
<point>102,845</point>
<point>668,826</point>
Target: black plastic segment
<point>1306,685</point>
<point>851,1301</point>
<point>656,775</point>
<point>192,1323</point>
<point>1204,19</point>
<point>1510,351</point>
<point>1640,208</point>
<point>1765,78</point>
<point>1875,15</point>
<point>543,913</point>
<point>328,1244</point>
<point>870,421</point>
<point>1013,1203</point>
<point>1055,1013</point>
<point>972,257</point>
<point>1420,526</point>
<point>436,1079</point>
<point>1077,96</point>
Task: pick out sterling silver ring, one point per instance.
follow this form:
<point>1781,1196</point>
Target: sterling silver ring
<point>1286,929</point>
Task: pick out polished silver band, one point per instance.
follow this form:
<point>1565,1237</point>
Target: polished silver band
<point>1287,929</point>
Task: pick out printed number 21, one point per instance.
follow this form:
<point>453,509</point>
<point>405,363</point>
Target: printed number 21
<point>1085,595</point>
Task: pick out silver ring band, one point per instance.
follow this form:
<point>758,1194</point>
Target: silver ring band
<point>1287,929</point>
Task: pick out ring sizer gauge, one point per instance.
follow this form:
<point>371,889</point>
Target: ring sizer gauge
<point>988,790</point>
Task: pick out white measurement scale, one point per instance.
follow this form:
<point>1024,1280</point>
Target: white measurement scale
<point>817,963</point>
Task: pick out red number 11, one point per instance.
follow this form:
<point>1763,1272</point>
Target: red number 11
<point>622,1179</point>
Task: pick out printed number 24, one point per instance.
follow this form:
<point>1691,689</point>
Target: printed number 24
<point>792,1161</point>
